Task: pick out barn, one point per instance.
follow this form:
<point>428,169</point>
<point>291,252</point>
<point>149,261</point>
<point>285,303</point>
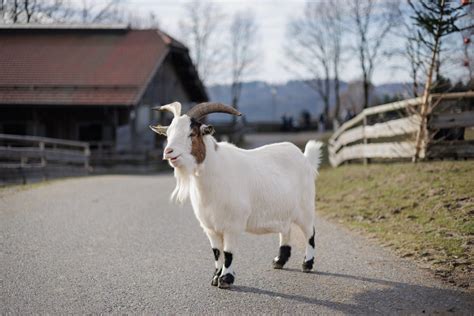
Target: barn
<point>93,83</point>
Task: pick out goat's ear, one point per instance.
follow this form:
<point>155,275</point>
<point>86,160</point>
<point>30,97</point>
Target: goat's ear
<point>207,129</point>
<point>174,108</point>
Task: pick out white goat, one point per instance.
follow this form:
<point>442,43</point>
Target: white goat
<point>233,190</point>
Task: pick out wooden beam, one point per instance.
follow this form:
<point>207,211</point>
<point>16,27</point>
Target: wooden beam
<point>377,150</point>
<point>451,120</point>
<point>451,149</point>
<point>46,140</point>
<point>403,126</point>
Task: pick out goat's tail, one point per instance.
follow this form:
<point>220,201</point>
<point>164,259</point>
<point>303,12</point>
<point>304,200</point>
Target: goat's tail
<point>312,151</point>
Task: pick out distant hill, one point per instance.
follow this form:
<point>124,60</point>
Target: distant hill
<point>258,103</point>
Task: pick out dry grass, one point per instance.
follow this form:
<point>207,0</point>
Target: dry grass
<point>424,211</point>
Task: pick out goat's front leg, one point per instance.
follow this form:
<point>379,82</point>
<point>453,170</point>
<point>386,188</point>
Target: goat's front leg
<point>217,245</point>
<point>227,277</point>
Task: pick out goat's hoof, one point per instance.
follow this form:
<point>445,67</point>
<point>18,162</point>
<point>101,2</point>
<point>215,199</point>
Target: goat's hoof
<point>277,263</point>
<point>215,277</point>
<point>225,281</point>
<point>215,280</point>
<point>308,265</point>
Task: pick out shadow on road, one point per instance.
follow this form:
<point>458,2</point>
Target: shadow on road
<point>347,308</point>
<point>392,297</point>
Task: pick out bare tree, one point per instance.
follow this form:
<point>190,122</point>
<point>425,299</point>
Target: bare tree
<point>353,97</point>
<point>11,11</point>
<point>314,46</point>
<point>467,33</point>
<point>15,11</point>
<point>200,30</point>
<point>104,12</point>
<point>413,53</point>
<point>308,50</point>
<point>435,20</point>
<point>372,20</point>
<point>32,11</point>
<point>336,27</point>
<point>137,21</point>
<point>243,51</point>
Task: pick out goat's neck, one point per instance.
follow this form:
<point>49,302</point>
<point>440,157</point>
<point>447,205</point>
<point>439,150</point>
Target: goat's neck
<point>209,168</point>
<point>210,162</point>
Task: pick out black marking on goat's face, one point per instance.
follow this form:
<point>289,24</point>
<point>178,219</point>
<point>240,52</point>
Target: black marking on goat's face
<point>311,239</point>
<point>217,253</point>
<point>227,259</point>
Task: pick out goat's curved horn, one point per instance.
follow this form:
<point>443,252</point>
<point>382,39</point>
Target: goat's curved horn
<point>202,109</point>
<point>159,129</point>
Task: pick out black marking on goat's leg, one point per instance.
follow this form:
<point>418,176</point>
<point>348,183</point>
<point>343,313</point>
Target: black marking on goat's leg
<point>217,253</point>
<point>283,256</point>
<point>225,281</point>
<point>227,259</point>
<point>308,265</point>
<point>311,239</point>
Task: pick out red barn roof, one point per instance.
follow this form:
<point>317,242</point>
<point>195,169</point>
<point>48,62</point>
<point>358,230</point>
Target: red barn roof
<point>84,65</point>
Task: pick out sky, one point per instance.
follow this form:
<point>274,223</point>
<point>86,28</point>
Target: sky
<point>272,17</point>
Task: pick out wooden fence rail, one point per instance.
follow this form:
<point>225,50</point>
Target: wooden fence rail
<point>27,152</point>
<point>387,131</point>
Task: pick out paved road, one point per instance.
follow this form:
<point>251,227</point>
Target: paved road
<point>114,244</point>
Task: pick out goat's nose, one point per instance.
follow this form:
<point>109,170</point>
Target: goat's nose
<point>168,151</point>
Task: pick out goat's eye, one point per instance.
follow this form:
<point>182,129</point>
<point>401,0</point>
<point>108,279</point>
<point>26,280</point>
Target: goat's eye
<point>192,135</point>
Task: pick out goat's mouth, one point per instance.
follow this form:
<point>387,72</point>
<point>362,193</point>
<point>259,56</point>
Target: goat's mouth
<point>174,159</point>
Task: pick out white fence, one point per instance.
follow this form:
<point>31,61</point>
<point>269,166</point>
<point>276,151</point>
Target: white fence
<point>387,131</point>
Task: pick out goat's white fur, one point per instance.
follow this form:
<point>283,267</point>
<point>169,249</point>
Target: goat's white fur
<point>263,190</point>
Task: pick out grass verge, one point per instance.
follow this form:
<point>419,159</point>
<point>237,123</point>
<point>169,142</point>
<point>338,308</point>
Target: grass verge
<point>424,211</point>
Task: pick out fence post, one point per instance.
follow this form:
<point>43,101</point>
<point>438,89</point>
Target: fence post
<point>43,159</point>
<point>364,124</point>
<point>87,154</point>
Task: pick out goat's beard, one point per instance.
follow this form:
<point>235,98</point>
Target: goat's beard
<point>182,175</point>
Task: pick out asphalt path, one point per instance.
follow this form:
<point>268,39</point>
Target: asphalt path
<point>114,244</point>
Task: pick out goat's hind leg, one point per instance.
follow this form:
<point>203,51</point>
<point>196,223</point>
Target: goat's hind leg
<point>217,244</point>
<point>285,250</point>
<point>309,232</point>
